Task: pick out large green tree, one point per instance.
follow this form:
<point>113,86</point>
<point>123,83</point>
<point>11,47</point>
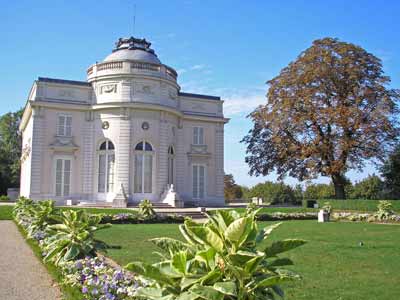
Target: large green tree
<point>326,112</point>
<point>232,190</point>
<point>10,150</point>
<point>391,173</point>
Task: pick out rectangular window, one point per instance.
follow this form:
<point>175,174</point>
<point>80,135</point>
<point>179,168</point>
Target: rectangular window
<point>138,173</point>
<point>110,172</point>
<point>198,136</point>
<point>64,125</point>
<point>102,173</point>
<point>198,177</point>
<point>148,167</point>
<point>63,177</point>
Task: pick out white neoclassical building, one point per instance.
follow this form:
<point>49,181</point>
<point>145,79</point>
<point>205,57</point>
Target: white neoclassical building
<point>126,134</point>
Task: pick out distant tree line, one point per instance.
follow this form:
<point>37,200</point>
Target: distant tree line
<point>372,187</point>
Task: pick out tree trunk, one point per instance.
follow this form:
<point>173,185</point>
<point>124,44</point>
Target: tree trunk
<point>339,182</point>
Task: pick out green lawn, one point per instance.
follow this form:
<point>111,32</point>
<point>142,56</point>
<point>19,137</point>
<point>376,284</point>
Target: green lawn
<point>6,212</point>
<point>332,264</point>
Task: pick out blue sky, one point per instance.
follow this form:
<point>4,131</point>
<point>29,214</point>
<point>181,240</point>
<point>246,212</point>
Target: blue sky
<point>225,48</point>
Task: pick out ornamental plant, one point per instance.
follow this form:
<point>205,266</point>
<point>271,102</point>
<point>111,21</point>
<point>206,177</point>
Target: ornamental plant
<point>42,214</point>
<point>327,207</point>
<point>73,238</point>
<point>218,260</point>
<point>385,210</point>
<point>146,209</point>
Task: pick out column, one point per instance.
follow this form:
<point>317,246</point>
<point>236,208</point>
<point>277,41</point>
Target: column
<point>162,167</point>
<point>88,156</point>
<point>219,161</point>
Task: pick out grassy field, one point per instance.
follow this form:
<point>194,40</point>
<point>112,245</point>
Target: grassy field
<point>358,205</point>
<point>266,210</point>
<point>333,264</point>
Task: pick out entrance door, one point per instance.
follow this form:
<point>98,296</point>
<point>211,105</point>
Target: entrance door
<point>63,177</point>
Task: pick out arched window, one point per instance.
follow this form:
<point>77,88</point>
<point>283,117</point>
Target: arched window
<point>171,156</point>
<point>143,181</point>
<point>106,167</point>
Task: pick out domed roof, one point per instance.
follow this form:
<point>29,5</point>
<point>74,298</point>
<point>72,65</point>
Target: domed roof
<point>133,49</point>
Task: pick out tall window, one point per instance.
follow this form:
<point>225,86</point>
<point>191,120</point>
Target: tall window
<point>143,181</point>
<point>171,155</point>
<point>198,136</point>
<point>106,167</point>
<point>198,177</point>
<point>63,177</point>
<point>64,123</point>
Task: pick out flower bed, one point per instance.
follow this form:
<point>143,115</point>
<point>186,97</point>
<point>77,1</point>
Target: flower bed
<point>365,217</point>
<point>92,275</point>
<point>279,216</point>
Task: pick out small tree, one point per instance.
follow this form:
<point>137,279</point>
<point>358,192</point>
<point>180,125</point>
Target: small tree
<point>327,112</point>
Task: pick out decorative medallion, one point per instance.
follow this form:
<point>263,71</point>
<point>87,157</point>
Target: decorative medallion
<point>145,126</point>
<point>105,125</point>
<point>109,88</point>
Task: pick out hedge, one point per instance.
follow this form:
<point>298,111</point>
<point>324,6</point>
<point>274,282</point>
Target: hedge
<point>358,205</point>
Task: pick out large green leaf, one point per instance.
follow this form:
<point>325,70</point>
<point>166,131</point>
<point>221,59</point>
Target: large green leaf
<point>72,252</point>
<point>271,281</point>
<point>149,293</point>
<point>265,232</point>
<point>251,266</point>
<point>207,256</point>
<point>149,271</point>
<point>166,268</point>
<point>282,246</point>
<point>236,229</point>
<point>208,237</point>
<point>179,261</point>
<point>206,292</point>
<point>187,296</point>
<point>226,287</point>
<point>170,245</point>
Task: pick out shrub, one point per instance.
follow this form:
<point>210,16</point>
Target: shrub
<point>146,209</point>
<point>327,207</point>
<point>4,198</point>
<point>385,210</point>
<point>218,260</point>
<point>73,238</point>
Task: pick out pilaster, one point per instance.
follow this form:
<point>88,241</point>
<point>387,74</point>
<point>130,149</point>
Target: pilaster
<point>162,168</point>
<point>88,154</point>
<point>219,160</point>
<point>38,136</point>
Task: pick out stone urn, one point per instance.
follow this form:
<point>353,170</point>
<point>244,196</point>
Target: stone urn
<point>323,216</point>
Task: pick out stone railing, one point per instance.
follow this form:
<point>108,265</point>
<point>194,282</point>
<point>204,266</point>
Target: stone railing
<point>129,66</point>
<point>109,66</point>
<point>201,149</point>
<point>145,66</point>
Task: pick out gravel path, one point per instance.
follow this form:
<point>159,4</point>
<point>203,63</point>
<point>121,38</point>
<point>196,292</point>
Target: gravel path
<point>22,275</point>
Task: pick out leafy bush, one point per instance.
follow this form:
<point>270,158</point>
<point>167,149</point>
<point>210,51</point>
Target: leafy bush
<point>327,207</point>
<point>4,198</point>
<point>218,260</point>
<point>42,214</point>
<point>73,239</point>
<point>146,209</point>
<point>279,216</point>
<point>385,210</point>
<point>358,205</point>
<point>274,193</point>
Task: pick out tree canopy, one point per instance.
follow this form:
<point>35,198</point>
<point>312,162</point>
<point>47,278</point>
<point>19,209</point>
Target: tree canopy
<point>391,173</point>
<point>10,150</point>
<point>232,190</point>
<point>326,112</point>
